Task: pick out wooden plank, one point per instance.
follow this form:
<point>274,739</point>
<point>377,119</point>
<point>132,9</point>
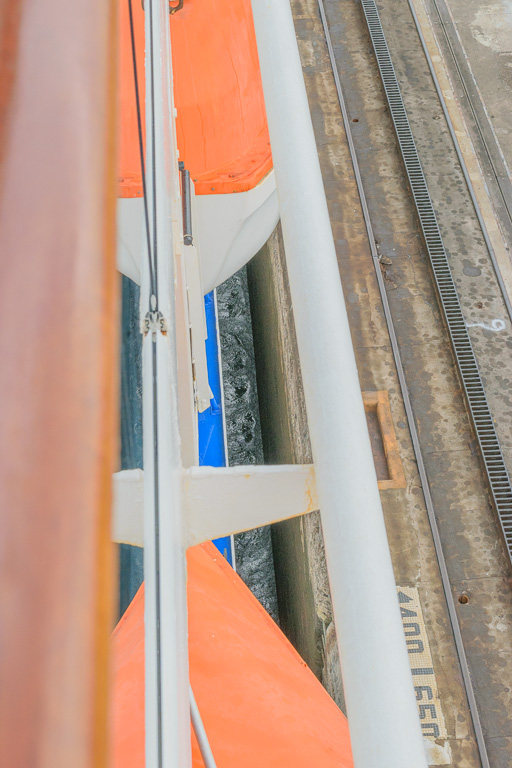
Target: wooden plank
<point>58,342</point>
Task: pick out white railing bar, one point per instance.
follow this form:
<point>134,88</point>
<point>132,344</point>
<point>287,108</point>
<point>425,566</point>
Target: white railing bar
<point>383,718</point>
<point>167,713</point>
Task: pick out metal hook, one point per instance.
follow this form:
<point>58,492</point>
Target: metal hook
<point>172,8</point>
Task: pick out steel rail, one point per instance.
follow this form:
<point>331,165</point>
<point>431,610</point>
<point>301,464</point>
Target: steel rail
<point>462,162</point>
<point>445,579</point>
<point>496,470</point>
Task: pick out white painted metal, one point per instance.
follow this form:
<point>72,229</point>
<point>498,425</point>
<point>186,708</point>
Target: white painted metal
<point>383,718</point>
<point>218,501</point>
<point>228,230</point>
<point>233,227</point>
<point>186,389</point>
<point>223,500</point>
<point>166,648</point>
<point>197,322</point>
<point>128,507</point>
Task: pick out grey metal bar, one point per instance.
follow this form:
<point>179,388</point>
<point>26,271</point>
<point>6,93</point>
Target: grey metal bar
<point>187,209</point>
<point>200,732</point>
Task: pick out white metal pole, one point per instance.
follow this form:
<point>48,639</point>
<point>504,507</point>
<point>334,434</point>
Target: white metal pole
<point>167,713</point>
<point>200,732</point>
<point>383,718</point>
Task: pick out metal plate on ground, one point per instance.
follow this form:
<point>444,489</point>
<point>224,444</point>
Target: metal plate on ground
<point>424,679</point>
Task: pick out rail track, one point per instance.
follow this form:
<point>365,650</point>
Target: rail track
<point>466,361</point>
<point>498,175</point>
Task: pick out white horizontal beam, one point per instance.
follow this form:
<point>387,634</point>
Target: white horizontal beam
<point>218,501</point>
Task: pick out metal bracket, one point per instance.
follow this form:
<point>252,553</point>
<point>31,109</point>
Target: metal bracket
<point>172,8</point>
<point>186,204</point>
<point>175,8</point>
<point>154,322</point>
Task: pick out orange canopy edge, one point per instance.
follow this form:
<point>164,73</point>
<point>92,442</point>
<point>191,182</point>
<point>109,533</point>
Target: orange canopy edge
<point>222,132</point>
<point>260,703</point>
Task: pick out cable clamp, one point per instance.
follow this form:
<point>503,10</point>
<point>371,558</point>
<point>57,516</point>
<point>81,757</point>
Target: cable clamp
<point>154,322</point>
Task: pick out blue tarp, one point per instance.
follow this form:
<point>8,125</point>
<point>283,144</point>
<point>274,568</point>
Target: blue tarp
<point>212,449</point>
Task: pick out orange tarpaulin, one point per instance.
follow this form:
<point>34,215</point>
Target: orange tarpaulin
<point>221,122</point>
<point>260,703</point>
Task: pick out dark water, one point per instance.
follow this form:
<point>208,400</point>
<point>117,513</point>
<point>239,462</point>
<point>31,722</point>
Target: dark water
<point>253,550</point>
<point>131,559</point>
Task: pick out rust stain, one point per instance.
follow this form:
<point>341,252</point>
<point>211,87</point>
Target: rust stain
<point>379,403</point>
<point>311,493</point>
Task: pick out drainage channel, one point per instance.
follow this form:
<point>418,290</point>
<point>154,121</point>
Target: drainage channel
<point>423,195</point>
<point>497,474</point>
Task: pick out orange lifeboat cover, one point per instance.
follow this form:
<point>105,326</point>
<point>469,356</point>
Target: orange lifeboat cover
<point>222,129</point>
<point>260,703</point>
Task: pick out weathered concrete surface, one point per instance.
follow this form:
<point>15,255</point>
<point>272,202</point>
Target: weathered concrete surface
<point>302,586</point>
<point>485,31</point>
<point>475,555</point>
<point>475,40</point>
<point>482,304</point>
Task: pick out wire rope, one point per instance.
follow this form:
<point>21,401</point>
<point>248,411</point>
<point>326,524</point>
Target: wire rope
<point>141,152</point>
<point>153,309</point>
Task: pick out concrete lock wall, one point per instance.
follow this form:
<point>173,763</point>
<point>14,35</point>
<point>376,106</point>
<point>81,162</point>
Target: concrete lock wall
<point>305,611</point>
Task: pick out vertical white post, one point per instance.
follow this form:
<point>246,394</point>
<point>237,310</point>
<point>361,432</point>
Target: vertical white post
<point>166,650</point>
<point>382,713</point>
